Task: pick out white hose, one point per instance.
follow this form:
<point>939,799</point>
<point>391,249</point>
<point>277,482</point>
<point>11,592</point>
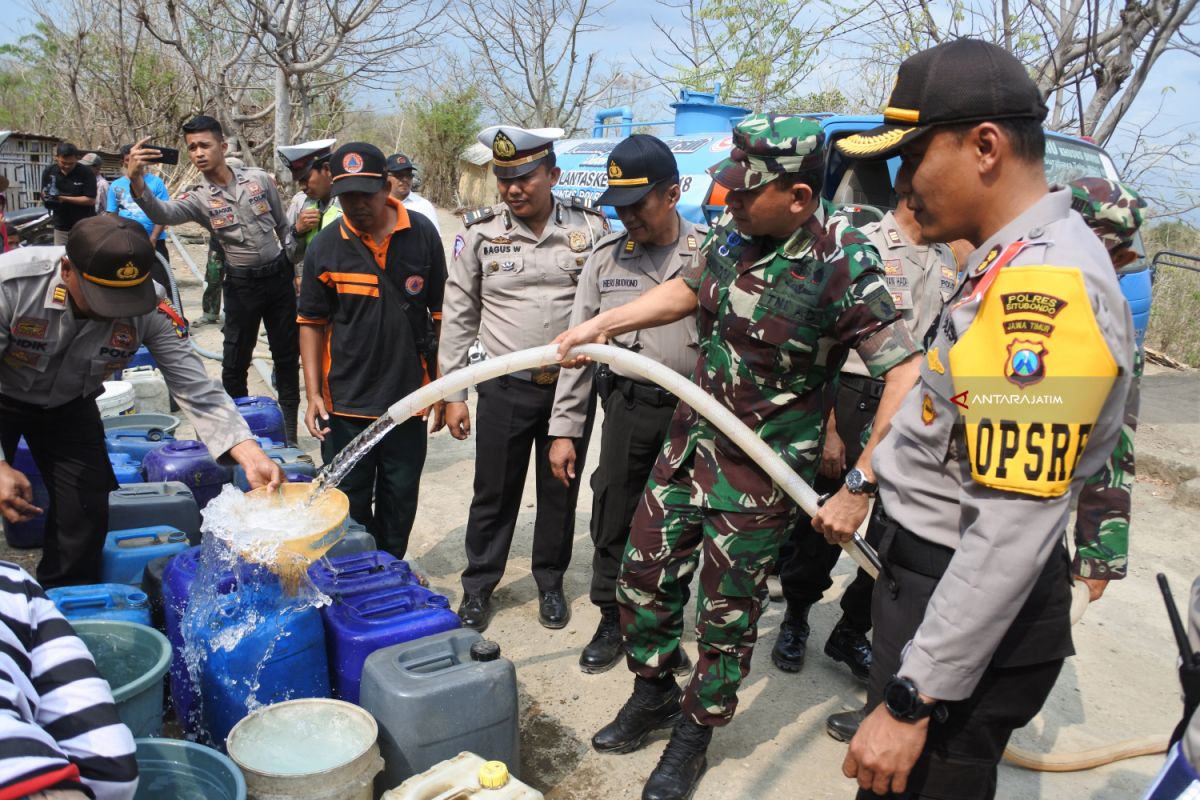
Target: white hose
<point>629,362</point>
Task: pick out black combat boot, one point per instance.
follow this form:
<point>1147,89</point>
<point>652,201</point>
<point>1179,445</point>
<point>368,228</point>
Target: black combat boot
<point>291,424</point>
<point>851,647</point>
<point>843,726</point>
<point>653,705</point>
<point>792,643</point>
<point>682,763</point>
<point>604,650</point>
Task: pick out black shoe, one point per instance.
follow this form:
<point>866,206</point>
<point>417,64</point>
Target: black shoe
<point>792,643</point>
<point>604,650</point>
<point>553,611</point>
<point>682,763</point>
<point>843,726</point>
<point>852,648</point>
<point>648,709</point>
<point>476,611</point>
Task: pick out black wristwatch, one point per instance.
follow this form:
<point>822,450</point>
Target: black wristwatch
<point>857,483</point>
<point>903,702</point>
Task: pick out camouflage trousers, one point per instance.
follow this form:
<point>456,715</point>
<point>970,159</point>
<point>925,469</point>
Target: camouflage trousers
<point>668,536</point>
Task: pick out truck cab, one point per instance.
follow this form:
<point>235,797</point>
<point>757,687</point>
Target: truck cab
<point>700,135</point>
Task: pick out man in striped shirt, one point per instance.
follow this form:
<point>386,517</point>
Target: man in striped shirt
<point>60,736</point>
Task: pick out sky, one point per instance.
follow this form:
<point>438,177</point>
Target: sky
<point>627,30</point>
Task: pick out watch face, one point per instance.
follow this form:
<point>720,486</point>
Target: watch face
<point>854,479</point>
<point>899,698</point>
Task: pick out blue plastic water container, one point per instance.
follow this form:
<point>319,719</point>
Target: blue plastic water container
<point>292,460</point>
<point>281,656</point>
<point>136,442</point>
<point>126,552</point>
<point>264,417</point>
<point>126,469</point>
<point>187,461</point>
<point>102,601</point>
<point>177,580</point>
<point>360,573</point>
<point>28,534</point>
<point>358,625</point>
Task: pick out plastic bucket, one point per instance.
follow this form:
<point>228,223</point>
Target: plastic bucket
<point>174,770</point>
<point>307,750</point>
<point>133,659</point>
<point>167,423</point>
<point>117,399</point>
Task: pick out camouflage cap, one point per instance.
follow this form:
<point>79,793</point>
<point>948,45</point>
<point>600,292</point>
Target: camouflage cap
<point>766,146</point>
<point>1110,208</point>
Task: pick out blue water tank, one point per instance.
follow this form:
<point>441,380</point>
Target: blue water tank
<point>703,112</point>
<point>102,601</point>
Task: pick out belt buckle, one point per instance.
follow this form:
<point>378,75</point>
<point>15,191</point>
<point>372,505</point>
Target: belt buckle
<point>545,377</point>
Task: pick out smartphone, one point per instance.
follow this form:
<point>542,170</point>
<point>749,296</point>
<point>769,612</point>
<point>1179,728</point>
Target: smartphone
<point>170,155</point>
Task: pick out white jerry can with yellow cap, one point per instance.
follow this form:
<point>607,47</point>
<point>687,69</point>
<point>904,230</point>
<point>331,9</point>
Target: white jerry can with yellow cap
<point>464,777</point>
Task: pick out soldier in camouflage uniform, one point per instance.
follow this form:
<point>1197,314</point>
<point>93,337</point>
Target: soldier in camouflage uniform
<point>1114,211</point>
<point>785,290</point>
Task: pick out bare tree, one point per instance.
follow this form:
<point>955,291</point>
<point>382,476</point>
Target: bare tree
<point>290,61</point>
<point>530,64</point>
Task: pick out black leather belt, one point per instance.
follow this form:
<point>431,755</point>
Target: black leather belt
<point>542,377</point>
<point>644,392</point>
<point>903,548</point>
<point>870,387</point>
<point>270,269</point>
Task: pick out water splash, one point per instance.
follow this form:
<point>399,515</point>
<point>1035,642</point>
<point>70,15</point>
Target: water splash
<point>339,467</point>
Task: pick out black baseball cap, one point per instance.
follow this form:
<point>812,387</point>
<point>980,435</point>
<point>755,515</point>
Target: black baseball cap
<point>113,256</point>
<point>398,162</point>
<point>635,166</point>
<point>962,81</point>
<point>358,167</point>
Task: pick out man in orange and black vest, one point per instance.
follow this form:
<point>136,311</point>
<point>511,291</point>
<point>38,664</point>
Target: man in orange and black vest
<point>370,311</point>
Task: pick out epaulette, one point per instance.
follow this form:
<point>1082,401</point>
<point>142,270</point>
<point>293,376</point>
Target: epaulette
<point>34,263</point>
<point>612,237</point>
<point>479,215</point>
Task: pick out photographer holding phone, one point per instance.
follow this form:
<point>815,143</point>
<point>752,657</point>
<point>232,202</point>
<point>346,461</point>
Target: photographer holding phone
<point>68,190</point>
<point>242,209</point>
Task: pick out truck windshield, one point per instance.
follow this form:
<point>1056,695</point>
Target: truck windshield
<point>1068,159</point>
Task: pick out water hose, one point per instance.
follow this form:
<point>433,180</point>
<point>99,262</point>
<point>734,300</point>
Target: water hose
<point>725,421</point>
<point>631,363</point>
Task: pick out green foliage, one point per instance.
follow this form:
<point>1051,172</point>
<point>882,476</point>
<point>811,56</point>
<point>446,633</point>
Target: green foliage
<point>1176,300</point>
<point>439,128</point>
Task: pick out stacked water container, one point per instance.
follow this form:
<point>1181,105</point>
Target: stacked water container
<point>376,604</point>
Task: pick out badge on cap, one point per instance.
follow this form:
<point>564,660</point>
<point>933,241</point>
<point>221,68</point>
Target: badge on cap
<point>614,171</point>
<point>127,271</point>
<point>352,163</point>
<point>503,146</point>
<point>577,241</point>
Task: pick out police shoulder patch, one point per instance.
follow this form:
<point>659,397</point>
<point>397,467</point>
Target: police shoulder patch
<point>587,204</point>
<point>177,321</point>
<point>477,215</point>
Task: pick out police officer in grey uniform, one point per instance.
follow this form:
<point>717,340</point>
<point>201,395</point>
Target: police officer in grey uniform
<point>242,209</point>
<point>511,283</point>
<point>69,319</point>
<point>920,276</point>
<point>643,186</point>
<point>314,207</point>
<point>1020,398</point>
